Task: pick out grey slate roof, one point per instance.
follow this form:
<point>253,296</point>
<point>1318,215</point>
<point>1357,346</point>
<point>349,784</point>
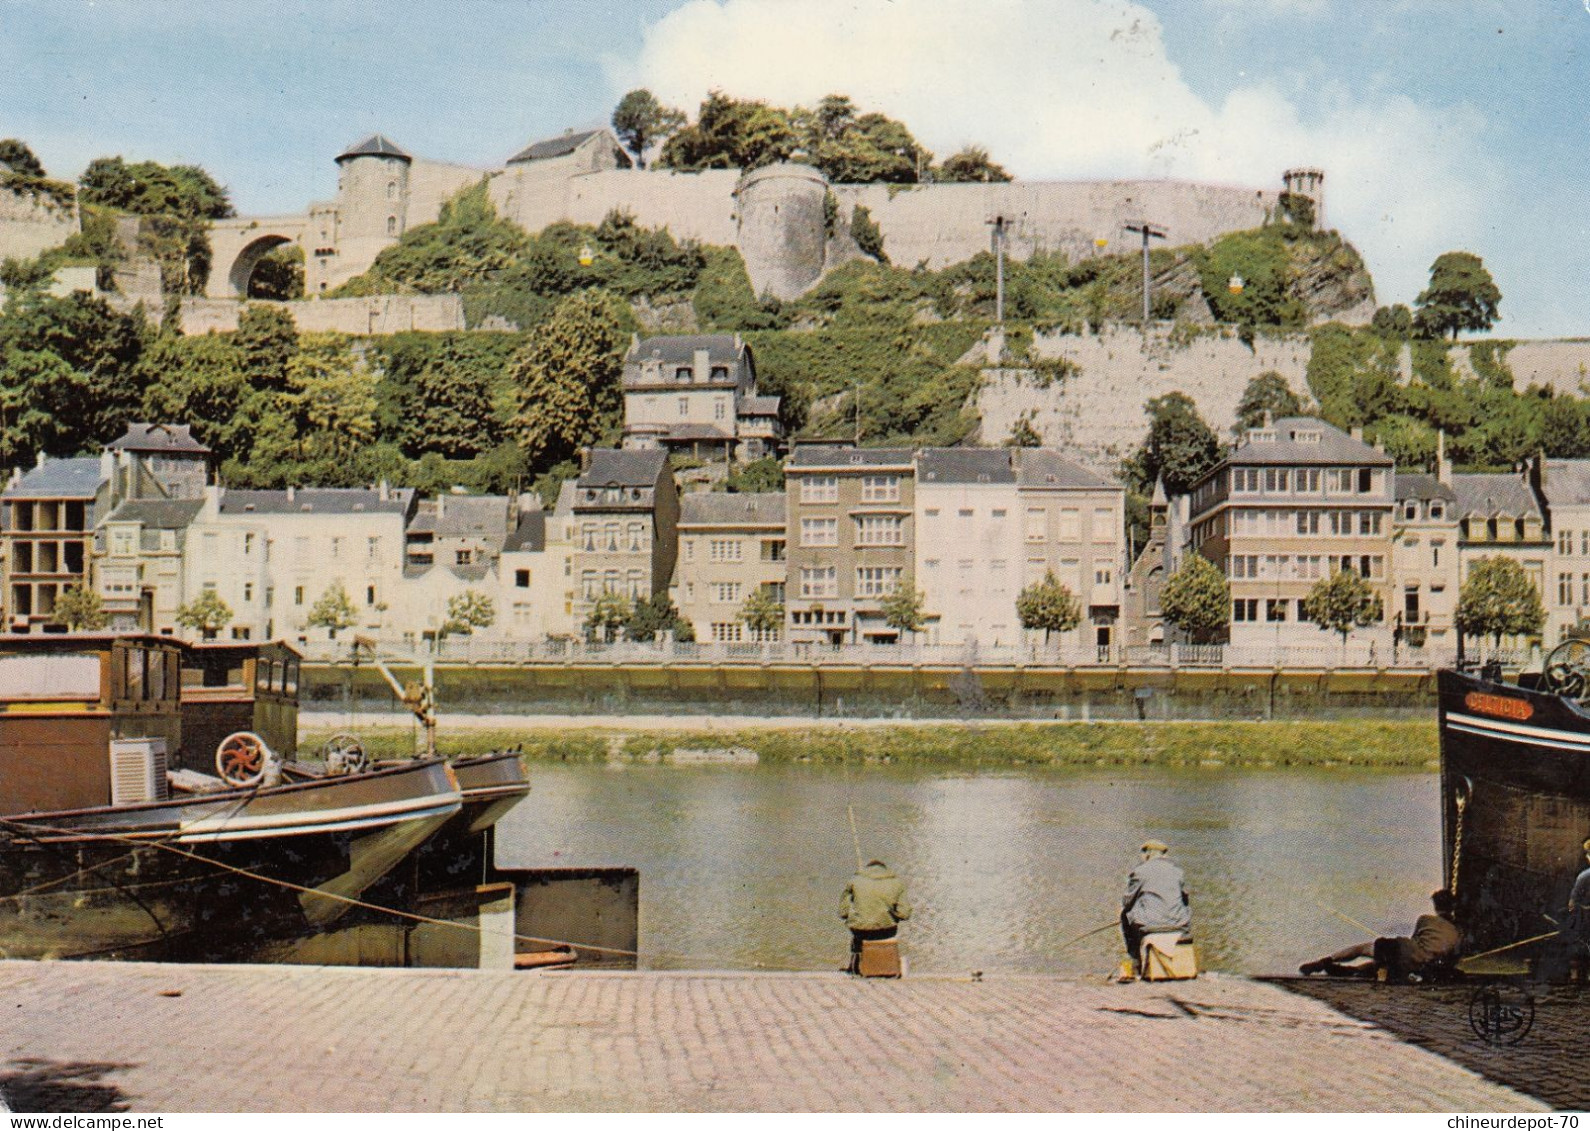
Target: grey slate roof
<point>144,437</point>
<point>529,536</point>
<point>558,147</point>
<point>1043,467</point>
<point>624,467</point>
<point>76,478</point>
<point>462,516</point>
<point>1485,495</point>
<point>965,465</point>
<point>159,514</point>
<point>1423,487</point>
<point>758,406</point>
<point>680,349</point>
<point>717,508</point>
<point>689,431</point>
<point>1567,482</point>
<point>846,455</point>
<point>376,145</point>
<point>1334,447</point>
<point>318,500</point>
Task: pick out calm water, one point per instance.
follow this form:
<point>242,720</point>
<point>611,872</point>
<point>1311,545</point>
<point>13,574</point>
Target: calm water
<point>742,866</point>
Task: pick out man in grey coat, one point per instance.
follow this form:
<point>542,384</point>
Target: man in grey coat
<point>1155,901</point>
<point>873,906</point>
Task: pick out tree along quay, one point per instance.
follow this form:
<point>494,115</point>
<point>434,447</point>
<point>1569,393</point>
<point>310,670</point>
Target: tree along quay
<point>892,691</point>
<point>1358,743</point>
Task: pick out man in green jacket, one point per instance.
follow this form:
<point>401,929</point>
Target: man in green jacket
<point>873,906</point>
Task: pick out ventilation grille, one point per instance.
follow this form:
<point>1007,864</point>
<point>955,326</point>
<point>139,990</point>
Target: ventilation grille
<point>138,770</point>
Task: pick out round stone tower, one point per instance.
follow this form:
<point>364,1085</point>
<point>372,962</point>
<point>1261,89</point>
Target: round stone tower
<point>372,190</point>
<point>782,234</point>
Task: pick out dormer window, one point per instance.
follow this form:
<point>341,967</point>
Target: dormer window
<point>720,372</point>
<point>1307,436</point>
<point>682,374</point>
<point>1410,511</point>
<point>1261,436</point>
<point>1437,510</point>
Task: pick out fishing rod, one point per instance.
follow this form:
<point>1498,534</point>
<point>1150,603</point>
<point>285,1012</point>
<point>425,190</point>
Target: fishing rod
<point>1089,934</point>
<point>1347,918</point>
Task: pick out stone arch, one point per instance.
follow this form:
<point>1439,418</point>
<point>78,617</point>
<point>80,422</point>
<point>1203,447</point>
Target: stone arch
<point>242,268</point>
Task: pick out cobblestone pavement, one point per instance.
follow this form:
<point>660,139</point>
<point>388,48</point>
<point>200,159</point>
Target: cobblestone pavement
<point>105,1037</point>
<point>1547,1063</point>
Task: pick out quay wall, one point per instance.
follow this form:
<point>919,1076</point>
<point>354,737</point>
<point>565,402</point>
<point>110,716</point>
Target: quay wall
<point>888,692</point>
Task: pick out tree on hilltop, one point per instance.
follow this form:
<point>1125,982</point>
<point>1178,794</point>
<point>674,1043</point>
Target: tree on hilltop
<point>970,165</point>
<point>1266,393</point>
<point>642,123</point>
<point>1461,296</point>
<point>16,156</point>
<point>1179,448</point>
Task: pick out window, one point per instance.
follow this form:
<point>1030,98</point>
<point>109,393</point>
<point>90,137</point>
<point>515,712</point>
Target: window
<point>336,547</point>
<point>1410,511</point>
<point>819,532</point>
<point>121,543</point>
<point>1435,550</point>
<point>820,489</point>
<point>1037,524</point>
<point>1275,479</point>
<point>588,534</point>
<point>1275,610</point>
<point>1245,610</point>
<point>773,550</point>
<point>1564,541</point>
<point>682,374</point>
<point>1584,543</point>
<point>690,548</point>
<point>1244,479</point>
<point>880,488</point>
<point>391,225</point>
<point>724,549</point>
<point>298,594</point>
<point>610,537</point>
<point>1070,524</point>
<point>1308,522</point>
<point>1305,480</point>
<point>1565,589</point>
<point>248,591</point>
<point>1438,510</point>
<point>877,581</point>
<point>373,548</point>
<point>719,410</point>
<point>637,537</point>
<point>964,512</point>
<point>822,581</point>
<point>1103,524</point>
<point>248,543</point>
<point>463,557</point>
<point>720,373</point>
<point>1103,571</point>
<point>727,632</point>
<point>1369,522</point>
<point>1584,592</point>
<point>725,592</point>
<point>589,589</point>
<point>684,406</point>
<point>880,530</point>
<point>369,595</point>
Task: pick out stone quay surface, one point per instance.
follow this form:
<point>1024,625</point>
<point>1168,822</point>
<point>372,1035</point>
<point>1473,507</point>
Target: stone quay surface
<point>89,1037</point>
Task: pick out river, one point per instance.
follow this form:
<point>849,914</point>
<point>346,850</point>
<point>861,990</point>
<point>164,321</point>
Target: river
<point>742,866</point>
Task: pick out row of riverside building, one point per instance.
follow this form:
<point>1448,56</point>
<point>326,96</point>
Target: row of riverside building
<point>145,525</point>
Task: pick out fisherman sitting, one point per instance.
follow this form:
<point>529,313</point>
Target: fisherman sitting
<point>873,906</point>
<point>1155,903</point>
<point>1432,947</point>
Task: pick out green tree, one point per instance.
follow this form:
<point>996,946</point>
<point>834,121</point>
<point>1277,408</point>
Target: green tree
<point>763,613</point>
<point>1342,602</point>
<point>78,608</point>
<point>1023,434</point>
<point>1197,599</point>
<point>332,397</point>
<point>905,610</point>
<point>567,378</point>
<point>608,614</point>
<point>1393,322</point>
<point>266,339</point>
<point>206,614</point>
<point>642,122</point>
<point>855,148</point>
<point>468,611</point>
<point>1498,599</point>
<point>1266,393</point>
<point>334,610</point>
<point>1048,605</point>
<point>868,236</point>
<point>730,134</point>
<point>17,157</point>
<point>970,165</point>
<point>1461,296</point>
<point>757,477</point>
<point>653,615</point>
<point>279,274</point>
<point>468,244</point>
<point>1178,449</point>
<point>197,380</point>
<point>177,201</point>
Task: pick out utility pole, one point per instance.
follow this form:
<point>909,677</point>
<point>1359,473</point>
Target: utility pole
<point>1148,231</point>
<point>999,224</point>
<point>857,399</point>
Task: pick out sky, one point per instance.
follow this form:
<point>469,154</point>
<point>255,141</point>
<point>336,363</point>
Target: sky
<point>1441,125</point>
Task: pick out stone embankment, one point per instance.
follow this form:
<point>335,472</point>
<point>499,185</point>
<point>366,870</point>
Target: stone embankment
<point>86,1037</point>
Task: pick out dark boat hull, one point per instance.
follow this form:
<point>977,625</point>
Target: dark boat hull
<point>1515,796</point>
<point>215,876</point>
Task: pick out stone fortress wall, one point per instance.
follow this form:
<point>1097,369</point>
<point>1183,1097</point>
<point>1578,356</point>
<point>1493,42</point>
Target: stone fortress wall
<point>30,225</point>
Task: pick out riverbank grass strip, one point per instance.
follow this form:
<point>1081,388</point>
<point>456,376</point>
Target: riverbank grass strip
<point>1348,742</point>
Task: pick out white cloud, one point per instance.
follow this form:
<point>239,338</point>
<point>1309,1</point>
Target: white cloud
<point>1081,89</point>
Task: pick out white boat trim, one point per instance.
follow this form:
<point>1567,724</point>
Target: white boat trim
<point>278,830</point>
<point>1517,732</point>
<point>298,820</point>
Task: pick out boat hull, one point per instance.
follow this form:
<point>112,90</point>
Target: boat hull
<point>1515,797</point>
<point>211,877</point>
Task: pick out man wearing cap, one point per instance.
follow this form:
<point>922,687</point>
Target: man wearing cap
<point>1155,902</point>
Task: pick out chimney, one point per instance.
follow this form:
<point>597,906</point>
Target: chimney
<point>42,460</point>
<point>441,506</point>
<point>1358,432</point>
<point>585,459</point>
<point>289,492</point>
<point>1269,419</point>
<point>1443,469</point>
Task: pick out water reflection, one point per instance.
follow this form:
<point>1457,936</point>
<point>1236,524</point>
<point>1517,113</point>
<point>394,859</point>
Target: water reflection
<point>741,867</point>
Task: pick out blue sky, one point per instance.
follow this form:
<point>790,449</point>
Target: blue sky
<point>1441,124</point>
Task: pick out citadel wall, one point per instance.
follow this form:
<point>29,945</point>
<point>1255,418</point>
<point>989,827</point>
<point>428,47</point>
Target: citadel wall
<point>380,314</point>
<point>1097,410</point>
<point>938,225</point>
<point>692,206</point>
<point>30,225</point>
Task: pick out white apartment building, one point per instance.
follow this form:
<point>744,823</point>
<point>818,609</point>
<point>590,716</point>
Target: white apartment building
<point>969,553</point>
<point>1073,523</point>
<point>1424,562</point>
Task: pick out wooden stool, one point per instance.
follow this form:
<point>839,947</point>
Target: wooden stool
<point>1173,960</point>
<point>880,958</point>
